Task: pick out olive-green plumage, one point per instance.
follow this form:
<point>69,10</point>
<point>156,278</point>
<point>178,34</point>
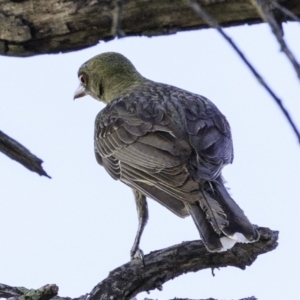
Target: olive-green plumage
<point>166,144</point>
<point>112,74</point>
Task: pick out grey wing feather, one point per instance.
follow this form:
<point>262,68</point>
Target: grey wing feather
<point>210,137</point>
<point>171,145</point>
<point>146,160</point>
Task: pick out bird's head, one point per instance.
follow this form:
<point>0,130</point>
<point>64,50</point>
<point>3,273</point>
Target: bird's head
<point>106,77</point>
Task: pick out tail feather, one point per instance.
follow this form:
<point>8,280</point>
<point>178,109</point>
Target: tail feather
<point>219,220</point>
<point>213,211</point>
<point>209,237</point>
<point>238,227</point>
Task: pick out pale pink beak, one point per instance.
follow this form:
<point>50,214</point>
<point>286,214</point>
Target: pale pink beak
<point>80,92</point>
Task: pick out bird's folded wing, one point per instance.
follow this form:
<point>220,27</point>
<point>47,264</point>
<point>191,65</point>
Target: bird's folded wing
<point>163,146</point>
<point>149,155</point>
<point>210,137</point>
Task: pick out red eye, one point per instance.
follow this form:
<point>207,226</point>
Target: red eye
<point>83,78</point>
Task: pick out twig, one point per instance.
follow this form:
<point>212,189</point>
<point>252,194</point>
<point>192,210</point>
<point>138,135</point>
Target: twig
<point>286,11</point>
<point>16,151</point>
<point>268,17</point>
<point>213,23</point>
<point>134,277</point>
<point>116,24</point>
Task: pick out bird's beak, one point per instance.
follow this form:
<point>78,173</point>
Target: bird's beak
<point>80,92</point>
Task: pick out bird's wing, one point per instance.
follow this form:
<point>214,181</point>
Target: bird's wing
<point>138,143</point>
<point>210,136</point>
<point>149,140</point>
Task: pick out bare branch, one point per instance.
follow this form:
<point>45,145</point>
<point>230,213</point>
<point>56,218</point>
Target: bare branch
<point>213,23</point>
<point>16,151</point>
<point>116,13</point>
<point>265,13</point>
<point>160,266</point>
<point>7,291</point>
<point>52,26</point>
<point>286,11</point>
<point>134,277</point>
<point>46,292</point>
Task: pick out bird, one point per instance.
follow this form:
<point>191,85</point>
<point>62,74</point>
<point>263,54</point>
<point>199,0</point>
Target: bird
<point>166,144</point>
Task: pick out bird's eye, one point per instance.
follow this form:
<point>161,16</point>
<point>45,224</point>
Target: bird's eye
<point>83,79</point>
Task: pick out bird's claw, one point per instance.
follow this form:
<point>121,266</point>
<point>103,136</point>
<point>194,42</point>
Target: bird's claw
<point>137,254</point>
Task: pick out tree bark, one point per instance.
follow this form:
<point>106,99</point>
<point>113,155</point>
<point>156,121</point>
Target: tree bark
<point>158,267</point>
<point>19,153</point>
<point>37,27</point>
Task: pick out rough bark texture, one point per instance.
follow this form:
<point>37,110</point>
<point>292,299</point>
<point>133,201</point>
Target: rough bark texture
<point>19,153</point>
<point>158,267</point>
<point>36,27</point>
<point>44,293</point>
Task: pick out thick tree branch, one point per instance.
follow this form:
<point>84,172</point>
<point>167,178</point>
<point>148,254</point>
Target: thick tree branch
<point>160,266</point>
<point>46,292</point>
<point>16,151</point>
<point>36,27</point>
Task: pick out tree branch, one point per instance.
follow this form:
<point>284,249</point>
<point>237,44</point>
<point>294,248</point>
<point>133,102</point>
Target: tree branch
<point>213,23</point>
<point>264,11</point>
<point>286,11</point>
<point>46,292</point>
<point>19,153</point>
<point>136,276</point>
<point>52,26</point>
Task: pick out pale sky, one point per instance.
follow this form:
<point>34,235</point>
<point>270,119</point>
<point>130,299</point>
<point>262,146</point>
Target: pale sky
<point>75,228</point>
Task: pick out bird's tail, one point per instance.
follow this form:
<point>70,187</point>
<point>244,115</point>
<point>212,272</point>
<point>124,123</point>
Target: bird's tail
<point>219,220</point>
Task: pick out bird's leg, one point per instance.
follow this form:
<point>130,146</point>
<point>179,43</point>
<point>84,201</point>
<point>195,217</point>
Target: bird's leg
<point>142,211</point>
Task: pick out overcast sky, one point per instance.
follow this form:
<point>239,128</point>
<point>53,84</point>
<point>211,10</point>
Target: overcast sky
<point>75,228</point>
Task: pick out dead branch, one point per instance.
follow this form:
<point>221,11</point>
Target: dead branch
<point>265,12</point>
<point>46,292</point>
<point>286,11</point>
<point>19,153</point>
<point>136,276</point>
<point>52,26</point>
<point>213,23</point>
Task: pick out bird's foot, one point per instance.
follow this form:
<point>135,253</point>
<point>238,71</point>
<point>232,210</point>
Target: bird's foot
<point>137,254</point>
